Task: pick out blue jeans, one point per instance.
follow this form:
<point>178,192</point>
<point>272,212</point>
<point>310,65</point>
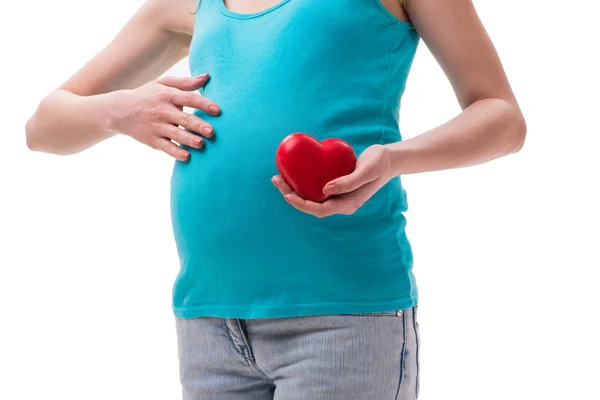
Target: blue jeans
<point>370,356</point>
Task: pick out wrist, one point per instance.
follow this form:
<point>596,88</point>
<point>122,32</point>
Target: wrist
<point>396,158</point>
<point>112,110</point>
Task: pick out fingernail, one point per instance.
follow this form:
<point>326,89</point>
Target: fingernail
<point>202,76</point>
<point>332,188</point>
<point>274,183</point>
<point>197,142</point>
<point>207,131</point>
<point>184,157</point>
<point>213,110</point>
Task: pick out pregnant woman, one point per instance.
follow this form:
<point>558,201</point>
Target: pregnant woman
<point>278,297</point>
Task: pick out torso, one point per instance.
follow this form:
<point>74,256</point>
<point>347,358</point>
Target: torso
<point>326,68</point>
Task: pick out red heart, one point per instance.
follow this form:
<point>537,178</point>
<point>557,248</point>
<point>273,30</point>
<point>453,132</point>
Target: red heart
<point>307,165</point>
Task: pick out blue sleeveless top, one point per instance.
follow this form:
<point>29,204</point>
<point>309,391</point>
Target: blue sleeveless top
<point>326,68</point>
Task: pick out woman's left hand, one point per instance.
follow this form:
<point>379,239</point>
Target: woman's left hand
<point>349,192</point>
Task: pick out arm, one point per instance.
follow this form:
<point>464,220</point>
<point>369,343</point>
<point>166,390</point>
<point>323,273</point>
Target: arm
<point>491,124</point>
<point>92,105</point>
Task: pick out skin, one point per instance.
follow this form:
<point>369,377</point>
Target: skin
<point>118,92</point>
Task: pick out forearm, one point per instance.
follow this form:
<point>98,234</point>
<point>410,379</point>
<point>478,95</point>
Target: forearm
<point>65,123</point>
<point>486,130</point>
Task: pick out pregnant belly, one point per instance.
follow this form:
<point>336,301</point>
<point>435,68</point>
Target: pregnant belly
<point>227,213</point>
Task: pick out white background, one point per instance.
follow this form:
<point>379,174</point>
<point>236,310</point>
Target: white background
<point>506,253</point>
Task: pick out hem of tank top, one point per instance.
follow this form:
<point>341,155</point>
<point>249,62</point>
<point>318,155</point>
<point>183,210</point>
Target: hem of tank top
<point>392,17</point>
<point>293,310</point>
<point>228,13</point>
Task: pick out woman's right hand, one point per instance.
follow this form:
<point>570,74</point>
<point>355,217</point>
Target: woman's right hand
<point>153,114</point>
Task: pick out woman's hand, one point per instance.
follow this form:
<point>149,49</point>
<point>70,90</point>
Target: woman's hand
<point>153,114</point>
<point>349,192</point>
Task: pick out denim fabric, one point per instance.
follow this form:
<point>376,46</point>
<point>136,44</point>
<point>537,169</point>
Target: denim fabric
<point>369,356</point>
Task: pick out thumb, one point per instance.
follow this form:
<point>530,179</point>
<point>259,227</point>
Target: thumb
<point>348,183</point>
<point>187,84</point>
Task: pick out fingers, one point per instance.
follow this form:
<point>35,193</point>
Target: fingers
<point>346,204</point>
<point>295,200</point>
<point>281,185</point>
<point>195,100</point>
<point>190,122</point>
<point>349,203</point>
<point>187,96</point>
<point>317,209</point>
<point>170,148</point>
<point>348,183</point>
<point>181,136</point>
<point>187,84</point>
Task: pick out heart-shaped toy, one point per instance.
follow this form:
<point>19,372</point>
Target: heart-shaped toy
<point>307,165</point>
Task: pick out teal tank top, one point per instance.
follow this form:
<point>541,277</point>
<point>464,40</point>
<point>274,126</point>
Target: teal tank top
<point>326,68</point>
